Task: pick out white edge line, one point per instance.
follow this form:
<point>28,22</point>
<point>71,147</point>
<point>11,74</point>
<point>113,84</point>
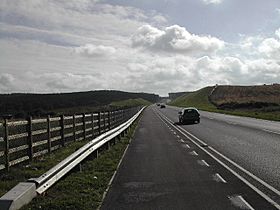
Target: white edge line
<point>276,205</point>
<point>115,172</point>
<point>274,132</point>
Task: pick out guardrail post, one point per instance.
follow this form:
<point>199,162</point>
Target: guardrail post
<point>30,139</point>
<point>92,125</point>
<point>99,123</point>
<point>49,134</point>
<point>62,130</point>
<point>74,127</point>
<point>7,147</point>
<point>84,125</point>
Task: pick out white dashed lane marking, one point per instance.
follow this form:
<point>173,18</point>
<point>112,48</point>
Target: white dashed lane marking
<point>240,202</point>
<point>194,153</point>
<point>218,178</point>
<point>203,163</point>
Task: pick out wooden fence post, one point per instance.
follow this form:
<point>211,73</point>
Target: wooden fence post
<point>109,120</point>
<point>7,148</point>
<point>30,139</point>
<point>104,121</point>
<point>74,127</point>
<point>49,134</point>
<point>92,125</point>
<point>84,126</point>
<point>62,130</point>
<point>99,123</point>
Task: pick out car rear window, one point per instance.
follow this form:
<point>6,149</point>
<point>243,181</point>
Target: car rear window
<point>190,111</point>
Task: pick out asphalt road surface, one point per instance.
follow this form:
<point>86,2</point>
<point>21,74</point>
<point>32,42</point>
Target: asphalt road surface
<point>224,162</point>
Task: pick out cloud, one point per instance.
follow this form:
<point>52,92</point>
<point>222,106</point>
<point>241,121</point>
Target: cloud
<point>277,33</point>
<point>6,82</point>
<point>175,39</point>
<point>212,1</point>
<point>95,51</point>
<point>270,47</point>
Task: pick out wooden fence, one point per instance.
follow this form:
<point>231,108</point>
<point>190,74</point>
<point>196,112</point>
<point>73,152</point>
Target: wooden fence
<point>21,141</point>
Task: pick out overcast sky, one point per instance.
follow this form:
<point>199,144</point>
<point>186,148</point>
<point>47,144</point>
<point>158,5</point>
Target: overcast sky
<point>155,46</point>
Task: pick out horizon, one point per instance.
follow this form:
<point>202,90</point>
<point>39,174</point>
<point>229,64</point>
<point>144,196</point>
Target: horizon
<point>58,46</point>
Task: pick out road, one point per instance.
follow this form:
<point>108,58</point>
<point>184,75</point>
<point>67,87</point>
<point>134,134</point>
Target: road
<point>224,162</point>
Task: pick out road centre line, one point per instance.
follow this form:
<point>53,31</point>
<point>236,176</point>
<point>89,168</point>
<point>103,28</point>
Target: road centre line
<point>194,153</point>
<point>266,197</point>
<point>203,163</point>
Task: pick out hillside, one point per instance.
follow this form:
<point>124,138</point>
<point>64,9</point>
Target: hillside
<point>246,96</point>
<point>19,105</point>
<point>252,101</point>
<point>197,99</point>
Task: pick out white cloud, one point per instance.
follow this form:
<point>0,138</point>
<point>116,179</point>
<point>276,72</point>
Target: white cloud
<point>212,1</point>
<point>95,51</point>
<point>270,47</point>
<point>175,39</point>
<point>277,33</point>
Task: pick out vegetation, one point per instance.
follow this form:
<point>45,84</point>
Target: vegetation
<point>198,99</point>
<point>37,168</point>
<point>20,105</point>
<point>245,107</point>
<point>84,190</point>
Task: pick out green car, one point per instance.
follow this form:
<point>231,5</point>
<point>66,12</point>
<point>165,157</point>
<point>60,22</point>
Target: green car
<point>189,115</point>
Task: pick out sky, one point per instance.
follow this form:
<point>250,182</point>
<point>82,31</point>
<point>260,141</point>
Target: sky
<point>154,46</point>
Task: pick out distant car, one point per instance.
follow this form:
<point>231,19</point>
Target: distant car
<point>162,106</point>
<point>189,115</point>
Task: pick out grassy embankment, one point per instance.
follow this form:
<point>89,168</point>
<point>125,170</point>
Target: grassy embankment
<point>199,99</point>
<point>84,190</point>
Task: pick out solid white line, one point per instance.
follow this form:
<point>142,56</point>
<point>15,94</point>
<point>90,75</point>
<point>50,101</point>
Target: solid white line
<point>276,205</point>
<point>219,178</point>
<point>274,132</point>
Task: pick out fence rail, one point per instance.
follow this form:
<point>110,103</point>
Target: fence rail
<point>21,141</point>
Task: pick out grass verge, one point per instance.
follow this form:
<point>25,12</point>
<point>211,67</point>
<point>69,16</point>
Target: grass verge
<point>40,165</point>
<point>84,190</point>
